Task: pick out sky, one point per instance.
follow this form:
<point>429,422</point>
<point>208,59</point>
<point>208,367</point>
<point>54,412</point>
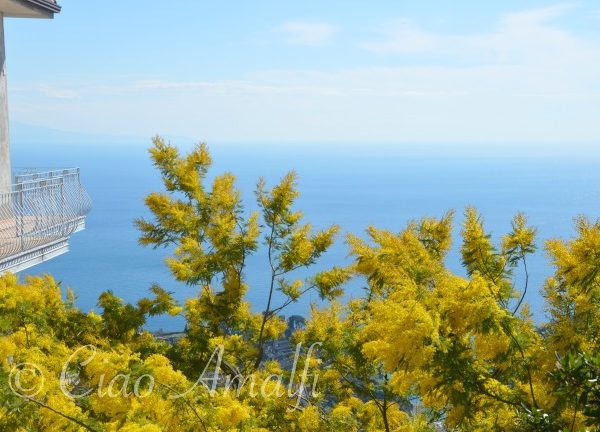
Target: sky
<point>312,71</point>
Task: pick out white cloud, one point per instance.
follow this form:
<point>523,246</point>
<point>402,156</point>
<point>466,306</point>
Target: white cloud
<point>517,37</point>
<point>526,79</point>
<point>403,36</point>
<point>494,102</point>
<point>307,33</point>
<point>60,93</point>
<point>53,92</point>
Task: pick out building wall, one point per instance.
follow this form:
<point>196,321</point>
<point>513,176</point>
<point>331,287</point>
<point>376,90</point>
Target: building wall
<point>5,169</point>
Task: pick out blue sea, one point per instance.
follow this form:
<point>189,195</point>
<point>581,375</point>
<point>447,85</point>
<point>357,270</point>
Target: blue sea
<point>353,185</point>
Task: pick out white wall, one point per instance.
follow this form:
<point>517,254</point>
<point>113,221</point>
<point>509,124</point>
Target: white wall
<point>5,170</point>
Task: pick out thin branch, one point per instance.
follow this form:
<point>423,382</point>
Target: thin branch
<point>259,357</point>
<point>526,365</point>
<point>526,283</point>
<point>296,267</point>
<point>289,301</point>
<point>190,406</point>
<point>55,411</point>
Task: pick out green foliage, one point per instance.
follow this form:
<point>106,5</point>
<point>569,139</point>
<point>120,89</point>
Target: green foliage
<point>577,378</point>
<point>122,322</point>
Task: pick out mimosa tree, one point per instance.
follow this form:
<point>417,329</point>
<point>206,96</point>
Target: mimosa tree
<point>422,349</point>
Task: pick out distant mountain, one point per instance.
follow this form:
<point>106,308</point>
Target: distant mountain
<point>26,134</point>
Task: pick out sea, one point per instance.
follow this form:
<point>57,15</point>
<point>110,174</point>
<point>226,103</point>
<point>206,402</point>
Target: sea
<point>354,185</point>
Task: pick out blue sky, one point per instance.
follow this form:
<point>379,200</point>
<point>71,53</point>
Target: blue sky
<point>385,71</point>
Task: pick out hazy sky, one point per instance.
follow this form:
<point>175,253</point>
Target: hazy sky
<point>312,70</point>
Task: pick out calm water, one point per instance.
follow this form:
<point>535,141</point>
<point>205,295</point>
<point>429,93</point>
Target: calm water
<point>353,186</point>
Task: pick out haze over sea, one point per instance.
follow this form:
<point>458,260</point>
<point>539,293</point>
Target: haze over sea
<point>353,185</point>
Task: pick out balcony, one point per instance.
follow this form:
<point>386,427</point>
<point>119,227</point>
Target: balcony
<point>39,215</point>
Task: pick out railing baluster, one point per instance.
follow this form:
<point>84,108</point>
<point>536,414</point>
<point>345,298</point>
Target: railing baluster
<point>20,223</point>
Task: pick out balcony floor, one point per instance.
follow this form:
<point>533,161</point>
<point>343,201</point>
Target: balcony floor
<point>19,252</point>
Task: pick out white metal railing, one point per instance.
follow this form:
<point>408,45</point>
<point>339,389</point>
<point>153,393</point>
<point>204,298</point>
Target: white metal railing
<point>41,208</point>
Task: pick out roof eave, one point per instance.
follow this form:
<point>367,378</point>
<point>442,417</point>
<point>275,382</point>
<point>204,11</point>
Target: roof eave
<point>42,5</point>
